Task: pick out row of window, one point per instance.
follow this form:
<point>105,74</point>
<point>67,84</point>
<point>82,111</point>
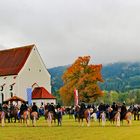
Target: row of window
<point>2,88</point>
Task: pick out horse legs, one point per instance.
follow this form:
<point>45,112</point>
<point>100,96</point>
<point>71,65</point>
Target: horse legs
<point>15,119</point>
<point>59,121</point>
<point>82,121</point>
<point>2,122</point>
<point>88,121</point>
<point>34,121</point>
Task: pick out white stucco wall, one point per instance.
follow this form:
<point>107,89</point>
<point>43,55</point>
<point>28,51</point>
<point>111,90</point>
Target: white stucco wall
<point>34,71</point>
<point>8,80</point>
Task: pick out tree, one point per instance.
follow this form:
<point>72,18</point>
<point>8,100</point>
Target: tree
<point>84,77</point>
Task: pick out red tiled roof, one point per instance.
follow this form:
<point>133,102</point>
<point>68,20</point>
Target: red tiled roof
<point>41,93</point>
<point>12,60</point>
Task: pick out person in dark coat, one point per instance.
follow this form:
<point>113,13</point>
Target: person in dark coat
<point>123,110</point>
<point>82,109</point>
<point>114,107</point>
<point>23,108</point>
<point>34,107</point>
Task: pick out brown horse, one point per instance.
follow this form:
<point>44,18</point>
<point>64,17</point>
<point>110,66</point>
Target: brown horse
<point>14,113</point>
<point>128,118</point>
<point>81,114</point>
<point>50,117</point>
<point>2,118</point>
<point>117,117</point>
<point>34,117</point>
<point>25,117</point>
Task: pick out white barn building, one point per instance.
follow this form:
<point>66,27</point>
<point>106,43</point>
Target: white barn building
<point>21,70</point>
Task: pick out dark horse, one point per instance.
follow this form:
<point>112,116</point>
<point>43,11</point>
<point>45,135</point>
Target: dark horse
<point>83,113</point>
<point>7,112</point>
<point>14,114</point>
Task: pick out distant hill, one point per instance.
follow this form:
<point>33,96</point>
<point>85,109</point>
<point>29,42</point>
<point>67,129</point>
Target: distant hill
<point>56,74</point>
<point>117,76</point>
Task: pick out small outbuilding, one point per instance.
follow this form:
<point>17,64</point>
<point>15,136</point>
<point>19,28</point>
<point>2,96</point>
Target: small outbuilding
<point>41,96</point>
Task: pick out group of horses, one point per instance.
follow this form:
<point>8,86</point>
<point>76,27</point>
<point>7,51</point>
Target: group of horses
<point>79,114</point>
<point>7,114</point>
<point>102,116</point>
<point>27,115</point>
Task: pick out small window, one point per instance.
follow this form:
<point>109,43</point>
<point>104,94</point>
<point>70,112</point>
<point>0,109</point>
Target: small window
<point>11,87</point>
<point>1,88</point>
<point>11,94</point>
<point>39,70</point>
<point>29,69</point>
<point>2,95</point>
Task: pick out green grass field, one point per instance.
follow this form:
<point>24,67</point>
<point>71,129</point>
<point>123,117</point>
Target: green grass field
<point>70,130</point>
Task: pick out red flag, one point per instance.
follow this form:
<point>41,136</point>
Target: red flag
<point>75,97</point>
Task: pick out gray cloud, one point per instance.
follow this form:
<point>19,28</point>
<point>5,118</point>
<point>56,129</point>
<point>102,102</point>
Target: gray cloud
<point>107,30</point>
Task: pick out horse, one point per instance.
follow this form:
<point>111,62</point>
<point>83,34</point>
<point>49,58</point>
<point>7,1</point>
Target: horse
<point>50,117</point>
<point>25,117</point>
<point>114,116</point>
<point>94,116</point>
<point>135,110</point>
<point>128,117</point>
<point>34,117</point>
<point>14,114</point>
<point>118,116</point>
<point>103,118</point>
<point>2,118</point>
<point>7,112</point>
<point>81,114</point>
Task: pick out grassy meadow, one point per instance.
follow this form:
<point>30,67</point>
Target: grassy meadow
<point>70,130</point>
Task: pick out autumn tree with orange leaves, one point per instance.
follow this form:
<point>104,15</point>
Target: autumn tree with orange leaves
<point>84,77</point>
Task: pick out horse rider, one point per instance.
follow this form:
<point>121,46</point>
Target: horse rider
<point>51,108</point>
<point>11,107</point>
<point>23,108</point>
<point>115,109</point>
<point>35,108</point>
<point>46,106</point>
<point>41,110</point>
<point>101,109</point>
<point>123,110</point>
<point>82,109</point>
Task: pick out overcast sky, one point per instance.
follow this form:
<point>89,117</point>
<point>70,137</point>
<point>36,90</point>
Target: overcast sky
<point>107,30</point>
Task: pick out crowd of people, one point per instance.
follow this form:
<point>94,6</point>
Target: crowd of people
<point>58,110</point>
<point>50,107</point>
